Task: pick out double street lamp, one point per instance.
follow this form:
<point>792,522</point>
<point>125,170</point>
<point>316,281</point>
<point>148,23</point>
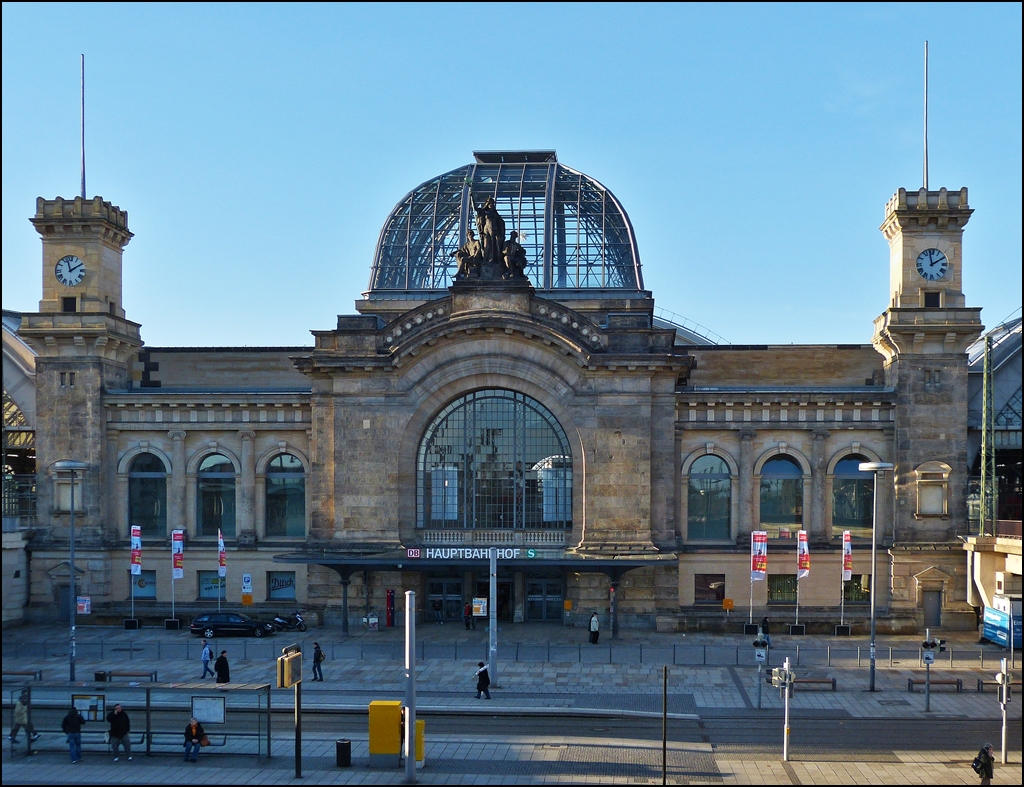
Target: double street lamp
<point>877,468</point>
<point>70,467</point>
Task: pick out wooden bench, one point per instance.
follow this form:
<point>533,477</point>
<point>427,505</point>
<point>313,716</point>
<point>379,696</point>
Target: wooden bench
<point>132,673</point>
<point>35,674</point>
<point>911,682</point>
<point>983,683</point>
<point>831,682</point>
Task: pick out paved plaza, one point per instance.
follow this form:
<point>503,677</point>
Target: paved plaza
<point>557,672</point>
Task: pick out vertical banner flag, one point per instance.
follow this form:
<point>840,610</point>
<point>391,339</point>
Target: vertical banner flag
<point>177,554</point>
<point>847,556</point>
<point>803,555</point>
<point>758,555</point>
<point>136,550</point>
<point>222,570</point>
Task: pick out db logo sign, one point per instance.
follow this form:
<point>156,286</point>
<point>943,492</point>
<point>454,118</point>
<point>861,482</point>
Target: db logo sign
<point>411,553</point>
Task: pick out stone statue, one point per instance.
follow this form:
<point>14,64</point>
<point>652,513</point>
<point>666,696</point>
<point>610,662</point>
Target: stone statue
<point>468,257</point>
<point>491,226</point>
<point>515,258</point>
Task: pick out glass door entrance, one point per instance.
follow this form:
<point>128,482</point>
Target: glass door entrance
<point>483,590</point>
<point>544,598</point>
<point>449,593</point>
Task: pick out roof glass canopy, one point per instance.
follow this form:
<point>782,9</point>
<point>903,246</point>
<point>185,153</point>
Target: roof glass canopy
<point>575,232</point>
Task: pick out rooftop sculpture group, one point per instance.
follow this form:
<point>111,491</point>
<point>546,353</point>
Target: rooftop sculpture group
<point>491,257</point>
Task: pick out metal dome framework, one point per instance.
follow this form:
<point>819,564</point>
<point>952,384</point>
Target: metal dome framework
<point>575,232</point>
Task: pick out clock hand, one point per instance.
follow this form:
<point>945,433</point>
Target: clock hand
<point>79,265</point>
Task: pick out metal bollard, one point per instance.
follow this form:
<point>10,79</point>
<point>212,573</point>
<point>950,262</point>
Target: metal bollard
<point>858,655</point>
<point>798,655</point>
<point>828,655</point>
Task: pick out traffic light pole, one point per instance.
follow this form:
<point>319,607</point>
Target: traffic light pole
<point>785,739</point>
<point>927,688</point>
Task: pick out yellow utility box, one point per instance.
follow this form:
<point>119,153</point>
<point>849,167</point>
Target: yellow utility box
<point>421,747</point>
<point>385,734</point>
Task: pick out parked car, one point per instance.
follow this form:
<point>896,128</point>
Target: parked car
<point>219,624</point>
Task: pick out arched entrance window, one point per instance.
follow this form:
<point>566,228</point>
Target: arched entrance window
<point>147,495</point>
<point>782,497</point>
<point>853,495</point>
<point>708,500</point>
<point>215,500</point>
<point>494,459</point>
<point>286,497</point>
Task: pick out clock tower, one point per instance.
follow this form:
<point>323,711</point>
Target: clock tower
<point>924,336</point>
<point>84,348</point>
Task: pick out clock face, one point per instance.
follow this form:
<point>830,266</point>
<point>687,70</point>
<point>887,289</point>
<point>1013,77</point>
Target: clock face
<point>932,264</point>
<point>69,270</point>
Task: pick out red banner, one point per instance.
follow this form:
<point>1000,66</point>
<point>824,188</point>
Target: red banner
<point>222,555</point>
<point>803,555</point>
<point>177,554</point>
<point>758,555</point>
<point>847,556</point>
<point>136,550</point>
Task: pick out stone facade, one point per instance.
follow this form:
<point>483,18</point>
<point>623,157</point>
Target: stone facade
<point>638,403</point>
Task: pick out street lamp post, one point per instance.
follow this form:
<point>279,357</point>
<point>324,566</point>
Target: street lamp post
<point>71,467</point>
<point>877,468</point>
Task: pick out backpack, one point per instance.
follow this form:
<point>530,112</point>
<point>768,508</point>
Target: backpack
<point>977,765</point>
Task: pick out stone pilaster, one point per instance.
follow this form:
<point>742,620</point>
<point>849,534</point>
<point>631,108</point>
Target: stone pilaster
<point>246,525</point>
<point>746,515</point>
<point>176,488</point>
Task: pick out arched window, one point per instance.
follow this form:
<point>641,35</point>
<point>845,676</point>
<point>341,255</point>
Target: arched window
<point>709,500</point>
<point>494,459</point>
<point>853,495</point>
<point>286,497</point>
<point>215,501</point>
<point>782,497</point>
<point>147,495</point>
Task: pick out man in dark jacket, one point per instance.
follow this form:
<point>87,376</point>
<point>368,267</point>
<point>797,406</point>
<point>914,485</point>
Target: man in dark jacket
<point>987,759</point>
<point>483,681</point>
<point>71,725</point>
<point>120,726</point>
<point>220,666</point>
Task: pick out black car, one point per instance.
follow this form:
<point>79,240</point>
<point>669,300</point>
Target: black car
<point>219,624</point>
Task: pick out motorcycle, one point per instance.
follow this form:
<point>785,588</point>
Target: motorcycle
<point>289,622</point>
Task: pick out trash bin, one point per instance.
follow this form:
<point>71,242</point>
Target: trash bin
<point>343,751</point>
<point>100,677</point>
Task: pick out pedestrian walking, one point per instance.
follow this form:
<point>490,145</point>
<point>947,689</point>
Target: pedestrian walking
<point>436,606</point>
<point>318,659</point>
<point>120,726</point>
<point>595,629</point>
<point>71,725</point>
<point>765,634</point>
<point>483,681</point>
<point>983,763</point>
<point>220,666</point>
<point>207,658</point>
<point>194,736</point>
<point>467,615</point>
<point>21,719</point>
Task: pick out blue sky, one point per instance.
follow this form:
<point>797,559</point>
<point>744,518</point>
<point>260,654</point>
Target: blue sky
<point>258,149</point>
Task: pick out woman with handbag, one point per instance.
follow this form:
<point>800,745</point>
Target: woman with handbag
<point>195,738</point>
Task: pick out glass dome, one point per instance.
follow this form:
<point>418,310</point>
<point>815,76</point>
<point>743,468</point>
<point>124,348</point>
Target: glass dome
<point>575,232</point>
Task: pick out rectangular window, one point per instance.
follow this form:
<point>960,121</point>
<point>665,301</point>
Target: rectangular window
<point>444,493</point>
<point>858,589</point>
<point>782,588</point>
<point>210,584</point>
<point>708,503</point>
<point>708,589</point>
<point>69,304</point>
<point>931,300</point>
<point>144,584</point>
<point>280,585</point>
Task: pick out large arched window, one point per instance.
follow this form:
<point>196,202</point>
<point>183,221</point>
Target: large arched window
<point>782,497</point>
<point>215,501</point>
<point>286,497</point>
<point>853,495</point>
<point>494,459</point>
<point>708,500</point>
<point>147,495</point>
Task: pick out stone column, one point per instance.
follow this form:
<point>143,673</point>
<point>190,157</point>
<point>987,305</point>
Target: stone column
<point>747,513</point>
<point>245,527</point>
<point>176,483</point>
<point>114,500</point>
<point>819,465</point>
